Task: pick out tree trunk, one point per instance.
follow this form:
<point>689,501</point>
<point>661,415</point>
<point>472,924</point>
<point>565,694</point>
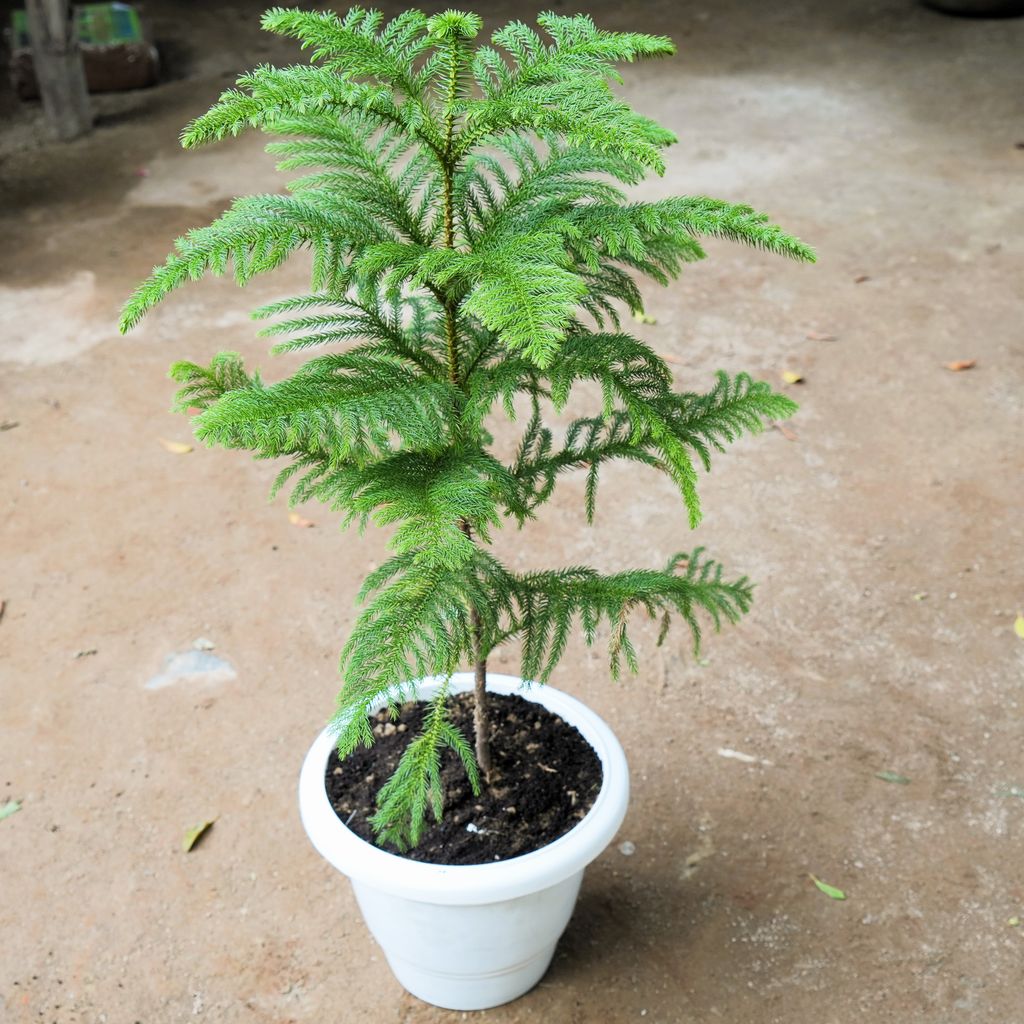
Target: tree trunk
<point>481,722</point>
<point>58,66</point>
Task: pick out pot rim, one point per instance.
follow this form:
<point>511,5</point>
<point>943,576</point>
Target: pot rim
<point>468,884</point>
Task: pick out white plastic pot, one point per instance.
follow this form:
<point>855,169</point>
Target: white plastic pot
<point>467,937</point>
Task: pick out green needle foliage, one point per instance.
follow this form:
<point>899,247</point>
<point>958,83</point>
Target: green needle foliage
<point>471,245</point>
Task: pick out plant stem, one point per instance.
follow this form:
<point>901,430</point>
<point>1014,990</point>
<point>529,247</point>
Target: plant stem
<point>481,721</point>
<point>481,718</point>
<point>481,712</point>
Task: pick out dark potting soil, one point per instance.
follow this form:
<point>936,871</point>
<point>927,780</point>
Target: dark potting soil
<point>545,778</point>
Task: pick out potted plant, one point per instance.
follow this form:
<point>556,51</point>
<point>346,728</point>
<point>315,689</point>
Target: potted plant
<point>472,253</point>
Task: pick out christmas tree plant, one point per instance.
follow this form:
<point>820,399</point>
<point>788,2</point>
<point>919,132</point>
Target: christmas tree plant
<point>471,246</point>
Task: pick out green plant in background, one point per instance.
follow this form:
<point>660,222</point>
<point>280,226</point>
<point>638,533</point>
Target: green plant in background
<point>471,246</point>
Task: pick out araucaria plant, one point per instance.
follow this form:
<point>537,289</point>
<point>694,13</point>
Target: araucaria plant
<point>472,251</point>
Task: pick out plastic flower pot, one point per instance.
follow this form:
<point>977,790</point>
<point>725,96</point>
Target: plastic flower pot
<point>468,937</point>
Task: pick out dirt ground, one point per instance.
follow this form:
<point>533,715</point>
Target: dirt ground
<point>884,528</point>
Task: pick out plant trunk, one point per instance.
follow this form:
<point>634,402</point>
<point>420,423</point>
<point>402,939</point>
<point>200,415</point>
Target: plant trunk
<point>481,718</point>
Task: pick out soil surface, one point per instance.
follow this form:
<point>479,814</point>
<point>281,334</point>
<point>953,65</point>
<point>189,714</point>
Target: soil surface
<point>544,779</point>
<point>883,528</point>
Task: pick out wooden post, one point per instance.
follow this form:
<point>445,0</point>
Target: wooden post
<point>58,65</point>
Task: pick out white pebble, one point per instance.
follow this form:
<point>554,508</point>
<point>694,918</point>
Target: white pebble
<point>627,849</point>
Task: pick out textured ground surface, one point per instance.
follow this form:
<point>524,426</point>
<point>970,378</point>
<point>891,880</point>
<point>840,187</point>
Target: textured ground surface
<point>885,531</point>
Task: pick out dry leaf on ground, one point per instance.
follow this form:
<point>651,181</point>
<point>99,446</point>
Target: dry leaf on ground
<point>193,835</point>
<point>792,377</point>
<point>820,336</point>
<point>957,365</point>
<point>861,278</point>
<point>176,447</point>
<point>785,431</point>
<point>296,520</point>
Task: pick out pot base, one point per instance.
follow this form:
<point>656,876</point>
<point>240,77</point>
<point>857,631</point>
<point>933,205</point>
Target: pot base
<point>469,958</point>
<point>479,992</point>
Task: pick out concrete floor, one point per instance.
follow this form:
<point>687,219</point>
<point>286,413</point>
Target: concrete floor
<point>885,531</point>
